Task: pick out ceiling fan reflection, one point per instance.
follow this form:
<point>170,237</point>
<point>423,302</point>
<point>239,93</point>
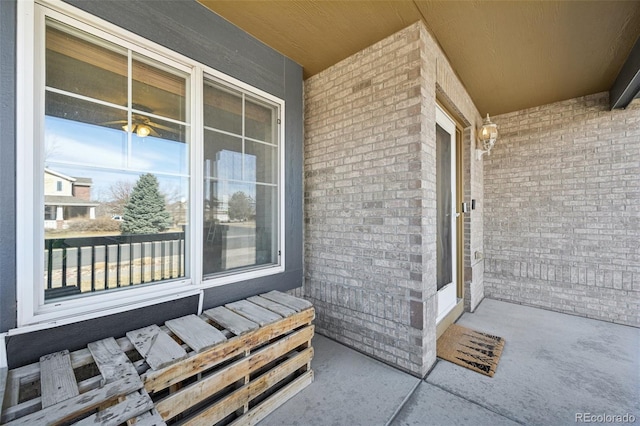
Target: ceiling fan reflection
<point>142,126</point>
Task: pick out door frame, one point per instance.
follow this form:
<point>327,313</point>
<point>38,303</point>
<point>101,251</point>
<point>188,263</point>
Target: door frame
<point>457,311</point>
<point>447,296</point>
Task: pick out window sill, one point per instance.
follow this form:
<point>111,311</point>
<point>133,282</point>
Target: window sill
<point>82,309</point>
<point>234,277</point>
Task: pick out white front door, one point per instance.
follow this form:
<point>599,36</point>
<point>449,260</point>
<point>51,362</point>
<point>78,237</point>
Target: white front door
<point>446,251</point>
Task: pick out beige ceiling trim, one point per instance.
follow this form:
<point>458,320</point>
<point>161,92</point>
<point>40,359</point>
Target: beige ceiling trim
<point>317,34</point>
<point>510,55</point>
<point>519,54</point>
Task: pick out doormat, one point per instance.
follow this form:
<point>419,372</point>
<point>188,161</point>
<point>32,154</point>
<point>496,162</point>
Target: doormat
<point>472,349</point>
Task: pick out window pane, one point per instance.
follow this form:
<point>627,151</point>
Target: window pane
<point>158,91</point>
<point>259,121</point>
<point>111,229</point>
<point>241,210</point>
<point>144,126</point>
<point>83,132</point>
<point>240,226</point>
<point>164,149</point>
<point>266,219</point>
<point>260,163</point>
<point>222,156</point>
<point>222,109</point>
<point>95,69</point>
<point>116,181</point>
<point>443,198</point>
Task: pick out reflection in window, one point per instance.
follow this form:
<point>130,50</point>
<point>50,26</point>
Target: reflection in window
<point>116,173</point>
<point>241,181</point>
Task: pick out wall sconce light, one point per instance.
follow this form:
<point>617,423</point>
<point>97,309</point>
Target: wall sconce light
<point>487,136</point>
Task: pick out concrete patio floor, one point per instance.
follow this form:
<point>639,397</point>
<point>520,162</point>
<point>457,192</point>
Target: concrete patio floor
<point>554,366</point>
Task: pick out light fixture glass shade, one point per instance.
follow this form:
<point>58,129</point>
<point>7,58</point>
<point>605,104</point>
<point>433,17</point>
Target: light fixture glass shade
<point>142,130</point>
<point>488,134</point>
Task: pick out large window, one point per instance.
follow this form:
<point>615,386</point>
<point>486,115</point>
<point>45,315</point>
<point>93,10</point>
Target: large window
<point>133,145</point>
<point>116,130</point>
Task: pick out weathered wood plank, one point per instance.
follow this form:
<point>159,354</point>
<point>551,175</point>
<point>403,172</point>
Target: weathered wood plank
<point>267,406</point>
<point>71,408</point>
<point>156,381</point>
<point>31,372</point>
<point>229,319</point>
<point>12,392</point>
<point>157,348</point>
<point>287,300</point>
<point>133,405</point>
<point>239,397</point>
<point>150,419</point>
<point>197,392</point>
<point>19,410</point>
<point>278,308</point>
<point>111,361</point>
<point>253,312</point>
<point>32,405</point>
<point>57,381</point>
<point>195,332</point>
<point>83,356</point>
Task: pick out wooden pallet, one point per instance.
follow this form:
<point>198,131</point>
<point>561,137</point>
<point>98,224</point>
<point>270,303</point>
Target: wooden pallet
<point>231,365</point>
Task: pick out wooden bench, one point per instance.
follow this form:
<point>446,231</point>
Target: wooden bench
<point>233,364</point>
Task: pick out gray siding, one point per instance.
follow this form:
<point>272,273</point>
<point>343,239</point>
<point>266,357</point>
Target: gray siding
<point>7,166</point>
<point>192,30</point>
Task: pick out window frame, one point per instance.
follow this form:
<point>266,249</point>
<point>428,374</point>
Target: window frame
<point>251,272</point>
<point>31,309</point>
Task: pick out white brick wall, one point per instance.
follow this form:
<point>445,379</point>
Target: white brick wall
<point>562,209</point>
<point>362,193</point>
<point>370,196</point>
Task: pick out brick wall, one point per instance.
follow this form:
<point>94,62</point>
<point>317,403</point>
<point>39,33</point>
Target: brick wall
<point>562,209</point>
<point>82,192</point>
<point>363,231</point>
<point>370,196</point>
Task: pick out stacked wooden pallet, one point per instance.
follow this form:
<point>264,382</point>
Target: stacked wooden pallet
<point>231,365</point>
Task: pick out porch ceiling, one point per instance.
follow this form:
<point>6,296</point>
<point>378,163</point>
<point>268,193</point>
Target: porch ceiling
<point>510,55</point>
